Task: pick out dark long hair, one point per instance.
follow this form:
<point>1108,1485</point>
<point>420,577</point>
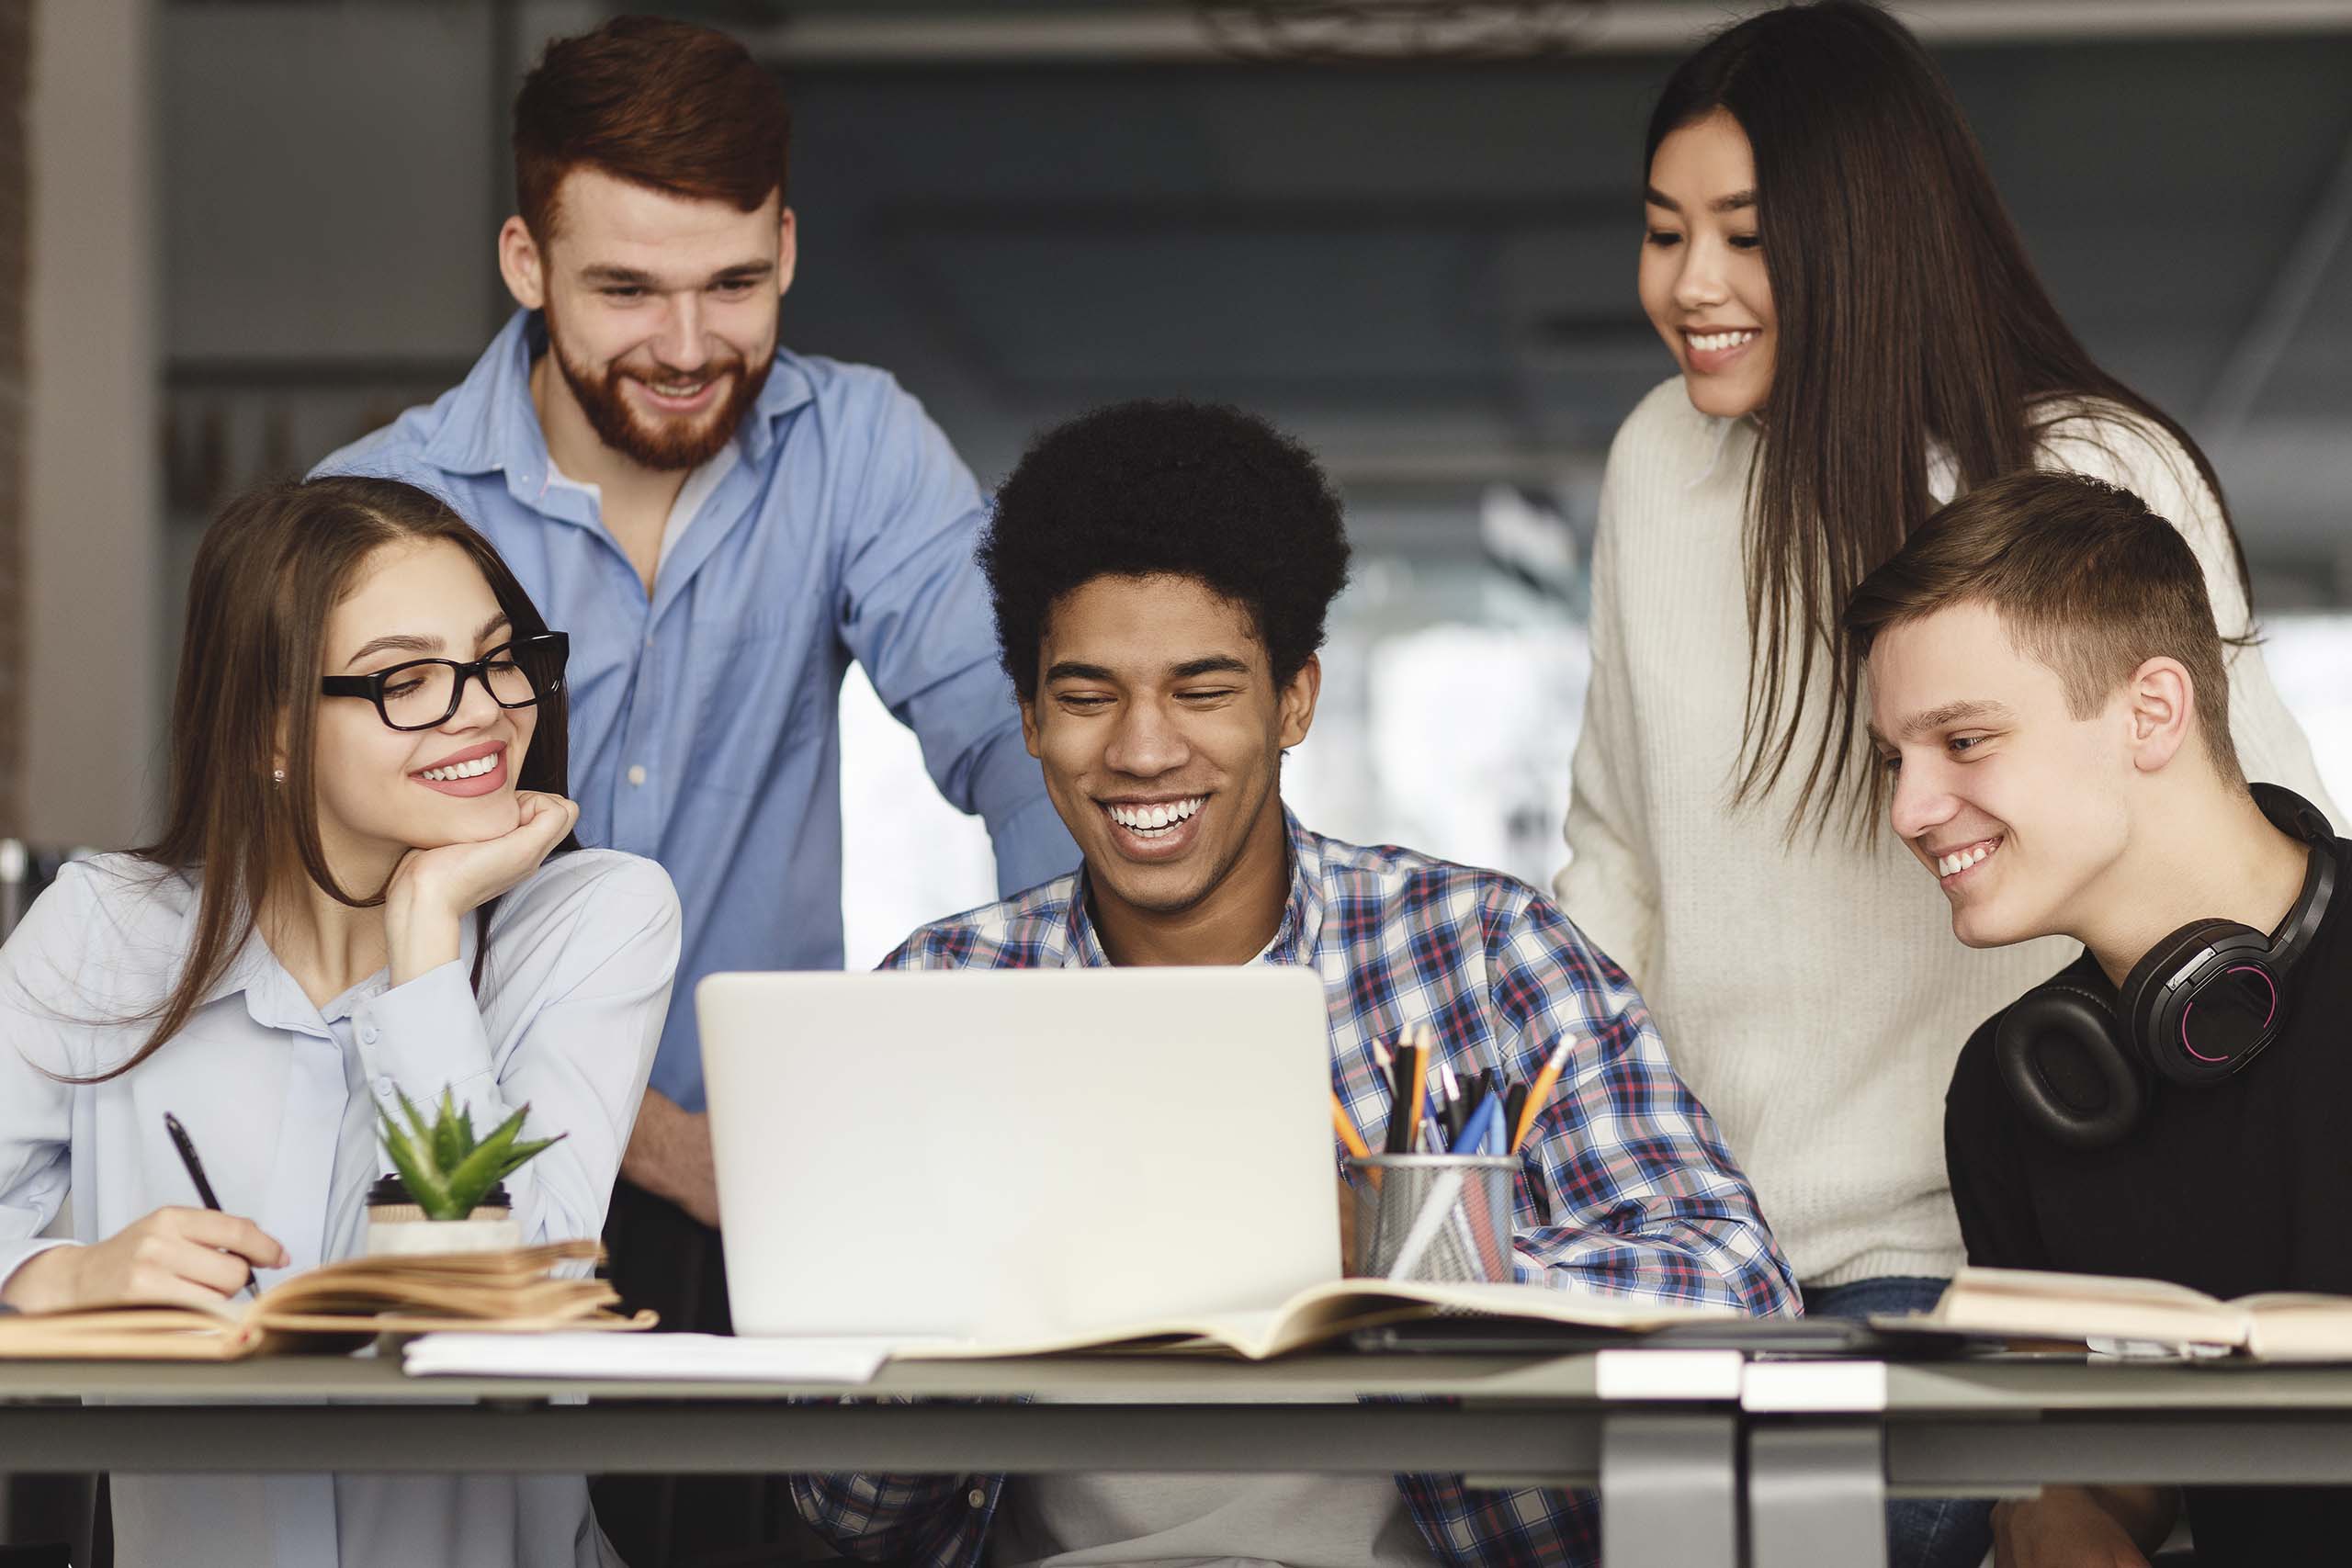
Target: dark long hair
<point>272,566</point>
<point>1907,315</point>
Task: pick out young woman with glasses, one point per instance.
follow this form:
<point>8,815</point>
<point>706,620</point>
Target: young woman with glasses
<point>1858,335</point>
<point>365,884</point>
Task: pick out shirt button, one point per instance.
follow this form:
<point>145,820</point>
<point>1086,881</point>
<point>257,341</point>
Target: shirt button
<point>977,1496</point>
<point>637,774</point>
<point>383,1086</point>
<point>367,1036</point>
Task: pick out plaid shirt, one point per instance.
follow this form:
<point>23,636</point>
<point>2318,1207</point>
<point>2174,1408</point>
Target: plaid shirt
<point>1626,1189</point>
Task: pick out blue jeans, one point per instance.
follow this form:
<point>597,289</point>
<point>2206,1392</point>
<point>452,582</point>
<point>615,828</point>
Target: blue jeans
<point>1921,1532</point>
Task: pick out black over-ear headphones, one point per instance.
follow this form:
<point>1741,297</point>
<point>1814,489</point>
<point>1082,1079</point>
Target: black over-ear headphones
<point>2080,1059</point>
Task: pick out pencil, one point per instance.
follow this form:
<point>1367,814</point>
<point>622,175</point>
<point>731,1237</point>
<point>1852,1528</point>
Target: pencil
<point>1542,1091</point>
<point>1347,1130</point>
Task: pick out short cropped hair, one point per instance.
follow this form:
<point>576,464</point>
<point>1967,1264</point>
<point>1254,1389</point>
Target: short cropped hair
<point>2087,580</point>
<point>1192,489</point>
<point>666,104</point>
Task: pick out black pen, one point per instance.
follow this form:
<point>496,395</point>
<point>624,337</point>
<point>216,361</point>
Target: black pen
<point>181,1141</point>
<point>1405,1090</point>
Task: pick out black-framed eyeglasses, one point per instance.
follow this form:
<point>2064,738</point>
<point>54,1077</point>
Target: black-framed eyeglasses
<point>424,693</point>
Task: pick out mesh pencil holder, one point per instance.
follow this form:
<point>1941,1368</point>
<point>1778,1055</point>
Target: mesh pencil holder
<point>1439,1218</point>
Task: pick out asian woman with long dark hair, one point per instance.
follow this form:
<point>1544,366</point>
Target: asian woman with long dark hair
<point>365,884</point>
<point>1859,335</point>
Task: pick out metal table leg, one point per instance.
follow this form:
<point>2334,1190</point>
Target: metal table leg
<point>1816,1497</point>
<point>1669,1491</point>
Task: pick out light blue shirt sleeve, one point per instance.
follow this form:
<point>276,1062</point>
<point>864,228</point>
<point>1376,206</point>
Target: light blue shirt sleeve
<point>914,612</point>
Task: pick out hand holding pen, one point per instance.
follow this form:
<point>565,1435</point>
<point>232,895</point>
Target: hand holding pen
<point>172,1257</point>
<point>187,1146</point>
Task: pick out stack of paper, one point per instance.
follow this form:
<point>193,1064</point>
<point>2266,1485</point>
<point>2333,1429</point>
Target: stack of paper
<point>681,1358</point>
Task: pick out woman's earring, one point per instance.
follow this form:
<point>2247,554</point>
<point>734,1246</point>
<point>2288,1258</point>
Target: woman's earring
<point>278,775</point>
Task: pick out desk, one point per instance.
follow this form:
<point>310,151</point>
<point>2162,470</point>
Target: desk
<point>1667,1468</point>
<point>1817,1479</point>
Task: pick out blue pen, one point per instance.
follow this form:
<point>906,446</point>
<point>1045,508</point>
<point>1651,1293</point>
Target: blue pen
<point>1479,1129</point>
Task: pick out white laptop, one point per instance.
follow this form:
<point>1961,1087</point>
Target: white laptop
<point>1012,1156</point>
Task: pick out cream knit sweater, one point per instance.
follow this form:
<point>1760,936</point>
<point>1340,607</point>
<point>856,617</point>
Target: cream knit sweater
<point>1813,995</point>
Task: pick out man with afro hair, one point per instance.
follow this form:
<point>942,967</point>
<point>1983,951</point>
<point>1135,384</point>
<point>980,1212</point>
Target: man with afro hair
<point>1160,573</point>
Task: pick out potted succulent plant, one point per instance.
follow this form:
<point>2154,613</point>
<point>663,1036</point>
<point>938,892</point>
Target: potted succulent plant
<point>448,1196</point>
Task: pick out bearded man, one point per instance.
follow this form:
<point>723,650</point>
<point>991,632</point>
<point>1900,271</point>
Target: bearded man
<point>721,525</point>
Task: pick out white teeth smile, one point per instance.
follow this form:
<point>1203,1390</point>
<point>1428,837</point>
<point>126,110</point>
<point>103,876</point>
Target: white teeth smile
<point>1153,822</point>
<point>1960,860</point>
<point>677,388</point>
<point>472,769</point>
<point>1709,343</point>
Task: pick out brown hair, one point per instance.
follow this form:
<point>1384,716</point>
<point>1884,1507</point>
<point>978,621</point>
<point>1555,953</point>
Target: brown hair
<point>661,103</point>
<point>1909,317</point>
<point>270,567</point>
<point>2086,578</point>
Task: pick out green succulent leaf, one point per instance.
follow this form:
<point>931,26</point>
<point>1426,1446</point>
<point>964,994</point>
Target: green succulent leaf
<point>451,1143</point>
<point>424,1183</point>
<point>479,1170</point>
<point>520,1153</point>
<point>446,1169</point>
<point>423,1130</point>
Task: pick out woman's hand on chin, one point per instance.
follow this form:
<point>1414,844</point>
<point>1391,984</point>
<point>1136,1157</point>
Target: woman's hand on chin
<point>433,890</point>
<point>176,1256</point>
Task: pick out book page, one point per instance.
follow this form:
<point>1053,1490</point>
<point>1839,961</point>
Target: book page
<point>2030,1304</point>
<point>2294,1327</point>
<point>1328,1311</point>
<point>126,1333</point>
<point>511,1289</point>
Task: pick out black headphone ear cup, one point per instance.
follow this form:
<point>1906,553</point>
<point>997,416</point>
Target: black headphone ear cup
<point>2149,1020</point>
<point>2067,1069</point>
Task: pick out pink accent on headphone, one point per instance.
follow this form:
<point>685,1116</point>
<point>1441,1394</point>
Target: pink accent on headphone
<point>2238,969</point>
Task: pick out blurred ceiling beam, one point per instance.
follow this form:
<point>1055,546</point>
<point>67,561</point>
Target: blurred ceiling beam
<point>2279,316</point>
<point>1209,33</point>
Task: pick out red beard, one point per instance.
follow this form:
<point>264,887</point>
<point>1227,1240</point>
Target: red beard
<point>674,444</point>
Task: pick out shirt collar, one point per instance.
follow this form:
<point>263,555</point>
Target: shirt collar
<point>490,424</point>
<point>247,972</point>
<point>274,1000</point>
<point>1295,939</point>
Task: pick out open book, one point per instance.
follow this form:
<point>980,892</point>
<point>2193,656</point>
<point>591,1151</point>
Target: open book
<point>1327,1312</point>
<point>509,1291</point>
<point>2026,1304</point>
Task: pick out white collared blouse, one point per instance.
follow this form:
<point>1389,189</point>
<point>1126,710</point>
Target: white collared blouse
<point>279,1098</point>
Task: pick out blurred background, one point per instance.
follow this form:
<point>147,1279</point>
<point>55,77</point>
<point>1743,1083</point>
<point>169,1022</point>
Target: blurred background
<point>236,233</point>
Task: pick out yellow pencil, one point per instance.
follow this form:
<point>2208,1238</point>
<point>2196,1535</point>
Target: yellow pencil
<point>1347,1130</point>
<point>1540,1092</point>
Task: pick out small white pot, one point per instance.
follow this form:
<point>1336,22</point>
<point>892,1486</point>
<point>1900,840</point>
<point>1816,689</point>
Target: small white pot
<point>403,1231</point>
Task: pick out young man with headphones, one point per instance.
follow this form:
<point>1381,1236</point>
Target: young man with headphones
<point>2047,696</point>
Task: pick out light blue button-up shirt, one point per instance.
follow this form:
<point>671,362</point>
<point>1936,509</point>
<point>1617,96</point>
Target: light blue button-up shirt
<point>704,719</point>
<point>279,1097</point>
